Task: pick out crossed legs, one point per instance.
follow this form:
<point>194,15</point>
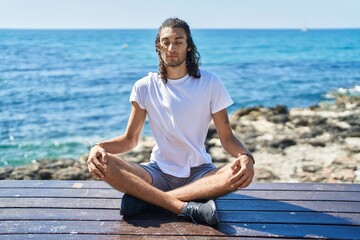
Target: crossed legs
<point>132,179</point>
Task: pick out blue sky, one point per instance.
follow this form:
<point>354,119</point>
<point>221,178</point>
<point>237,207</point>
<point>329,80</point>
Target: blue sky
<point>113,14</point>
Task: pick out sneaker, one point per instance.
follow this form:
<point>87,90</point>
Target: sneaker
<point>201,212</point>
<point>131,205</point>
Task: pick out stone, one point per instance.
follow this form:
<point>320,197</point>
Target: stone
<point>312,168</point>
<point>5,172</point>
<point>315,144</point>
<point>353,144</point>
<point>262,174</point>
<point>69,173</point>
<point>345,162</point>
<point>346,175</point>
<point>285,143</point>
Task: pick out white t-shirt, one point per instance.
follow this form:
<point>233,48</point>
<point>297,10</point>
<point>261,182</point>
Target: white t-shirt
<point>179,114</point>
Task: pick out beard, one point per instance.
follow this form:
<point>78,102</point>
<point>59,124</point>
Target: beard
<point>174,63</point>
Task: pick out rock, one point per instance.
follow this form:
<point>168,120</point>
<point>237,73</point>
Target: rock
<point>69,173</point>
<point>345,175</point>
<point>281,118</point>
<point>316,144</point>
<point>353,144</point>
<point>219,155</point>
<point>246,111</point>
<point>47,169</point>
<point>214,142</point>
<point>345,162</point>
<point>5,172</point>
<point>285,143</point>
<point>312,168</point>
<point>45,174</point>
<point>262,174</point>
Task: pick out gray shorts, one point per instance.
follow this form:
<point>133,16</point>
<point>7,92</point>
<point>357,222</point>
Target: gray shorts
<point>166,182</point>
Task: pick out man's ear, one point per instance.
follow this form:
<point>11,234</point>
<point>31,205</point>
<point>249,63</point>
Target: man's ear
<point>189,49</point>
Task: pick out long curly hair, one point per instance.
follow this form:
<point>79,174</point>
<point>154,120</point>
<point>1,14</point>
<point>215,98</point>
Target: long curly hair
<point>192,56</point>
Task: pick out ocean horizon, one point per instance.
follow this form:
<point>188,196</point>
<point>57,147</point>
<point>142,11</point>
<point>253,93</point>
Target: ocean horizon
<point>62,90</point>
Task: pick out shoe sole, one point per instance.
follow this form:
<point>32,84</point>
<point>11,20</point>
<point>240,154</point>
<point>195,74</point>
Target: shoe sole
<point>213,206</point>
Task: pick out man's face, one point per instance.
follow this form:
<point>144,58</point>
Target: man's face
<point>173,46</point>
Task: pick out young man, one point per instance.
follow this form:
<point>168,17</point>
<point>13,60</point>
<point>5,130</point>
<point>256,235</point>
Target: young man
<point>180,101</point>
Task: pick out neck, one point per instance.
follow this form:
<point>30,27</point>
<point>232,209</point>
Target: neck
<point>176,72</point>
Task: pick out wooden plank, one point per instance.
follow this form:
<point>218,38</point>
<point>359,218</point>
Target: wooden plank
<point>59,214</point>
<point>184,229</point>
<point>225,216</point>
<point>298,195</point>
<point>290,206</point>
<point>77,203</point>
<point>222,205</point>
<point>271,217</point>
<point>254,186</point>
<point>114,237</point>
<point>90,184</point>
<point>89,209</point>
<point>290,217</point>
<point>243,194</point>
<point>107,237</point>
<point>273,186</point>
<point>65,193</point>
<point>291,231</point>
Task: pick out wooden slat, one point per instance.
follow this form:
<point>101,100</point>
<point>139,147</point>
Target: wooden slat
<point>306,187</point>
<point>95,203</point>
<point>291,217</point>
<point>225,216</point>
<point>115,237</point>
<point>59,214</point>
<point>243,194</point>
<point>255,186</point>
<point>290,206</point>
<point>69,193</point>
<point>222,205</point>
<point>90,210</point>
<point>109,237</point>
<point>168,229</point>
<point>298,195</point>
<point>53,184</point>
<point>269,217</point>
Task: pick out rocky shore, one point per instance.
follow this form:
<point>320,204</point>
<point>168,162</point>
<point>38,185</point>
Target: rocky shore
<point>316,144</point>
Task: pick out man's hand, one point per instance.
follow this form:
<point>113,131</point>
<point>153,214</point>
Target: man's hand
<point>242,172</point>
<point>97,162</point>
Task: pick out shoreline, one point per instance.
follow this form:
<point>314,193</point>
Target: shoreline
<point>320,143</point>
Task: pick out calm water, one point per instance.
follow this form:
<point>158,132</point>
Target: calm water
<point>63,90</point>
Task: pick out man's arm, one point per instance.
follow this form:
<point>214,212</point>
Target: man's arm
<point>242,167</point>
<point>99,153</point>
<point>130,138</point>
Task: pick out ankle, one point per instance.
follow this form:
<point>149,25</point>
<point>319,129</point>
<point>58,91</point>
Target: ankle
<point>178,207</point>
<point>183,208</point>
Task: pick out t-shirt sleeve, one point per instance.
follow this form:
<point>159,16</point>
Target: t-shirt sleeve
<point>138,93</point>
<point>220,97</point>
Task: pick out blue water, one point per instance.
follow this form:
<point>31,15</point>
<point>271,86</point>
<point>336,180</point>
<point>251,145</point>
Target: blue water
<point>63,90</point>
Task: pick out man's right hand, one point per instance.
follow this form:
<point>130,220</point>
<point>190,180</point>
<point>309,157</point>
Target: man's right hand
<point>97,162</point>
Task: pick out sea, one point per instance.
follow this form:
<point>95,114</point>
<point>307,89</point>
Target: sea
<point>63,90</point>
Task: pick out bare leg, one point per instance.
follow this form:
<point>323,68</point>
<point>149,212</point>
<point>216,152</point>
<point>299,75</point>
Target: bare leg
<point>214,184</point>
<point>134,180</point>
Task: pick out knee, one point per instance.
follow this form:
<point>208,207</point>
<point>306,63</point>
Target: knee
<point>226,173</point>
<point>114,168</point>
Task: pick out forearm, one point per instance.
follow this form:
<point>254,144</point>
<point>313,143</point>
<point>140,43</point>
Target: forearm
<point>120,144</point>
<point>235,147</point>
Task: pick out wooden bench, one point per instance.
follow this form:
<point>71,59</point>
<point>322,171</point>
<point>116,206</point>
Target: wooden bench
<point>90,210</point>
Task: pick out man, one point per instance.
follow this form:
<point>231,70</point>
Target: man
<point>180,101</point>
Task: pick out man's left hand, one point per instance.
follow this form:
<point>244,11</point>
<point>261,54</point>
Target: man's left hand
<point>242,172</point>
